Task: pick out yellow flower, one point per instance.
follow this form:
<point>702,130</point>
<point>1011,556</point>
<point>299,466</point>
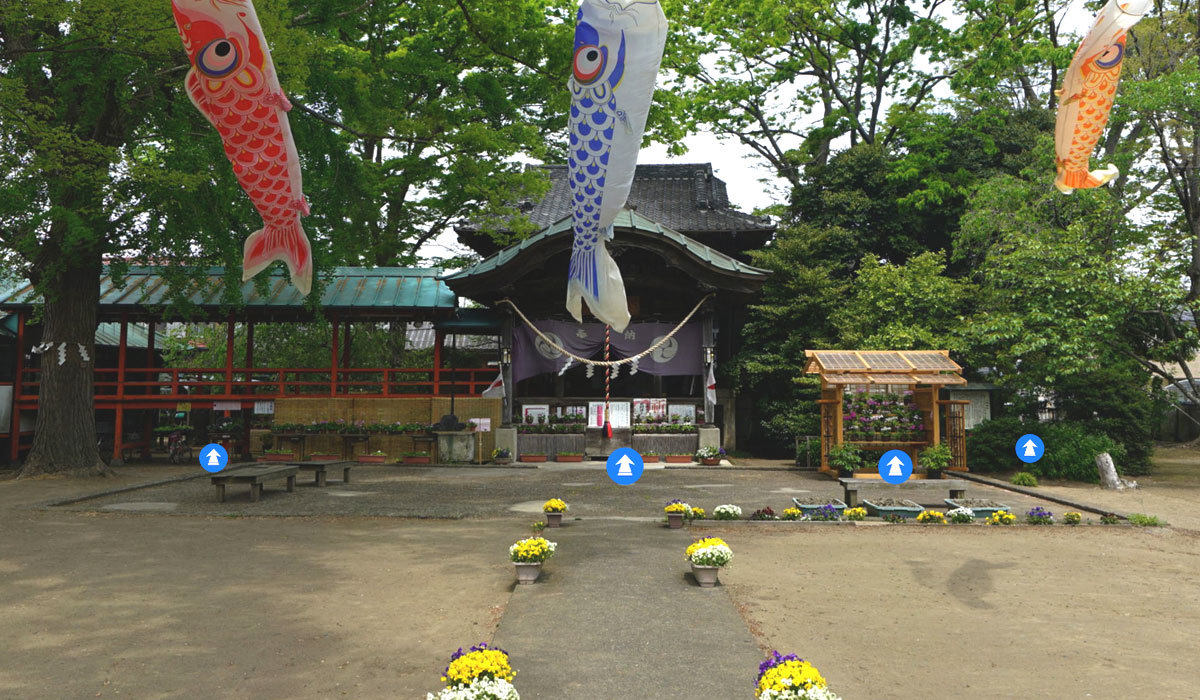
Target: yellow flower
<point>554,505</point>
<point>485,663</point>
<point>790,675</point>
<point>931,516</point>
<point>676,508</point>
<point>702,543</point>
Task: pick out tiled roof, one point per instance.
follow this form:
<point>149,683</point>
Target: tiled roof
<point>626,219</point>
<point>379,289</point>
<point>687,198</point>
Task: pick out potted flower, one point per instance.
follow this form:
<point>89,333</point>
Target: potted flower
<point>846,459</point>
<point>707,556</point>
<point>554,509</point>
<point>650,457</point>
<point>528,555</point>
<point>376,457</point>
<point>935,459</point>
<point>533,456</point>
<point>483,673</point>
<point>568,457</point>
<point>277,456</point>
<point>676,511</point>
<point>416,457</point>
<point>502,455</point>
<point>811,506</point>
<point>710,456</point>
<point>788,677</point>
<point>677,459</point>
<point>325,456</point>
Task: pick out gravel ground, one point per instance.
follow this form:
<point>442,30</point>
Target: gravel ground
<point>497,492</point>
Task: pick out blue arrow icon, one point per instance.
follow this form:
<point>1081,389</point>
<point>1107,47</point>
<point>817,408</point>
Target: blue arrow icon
<point>625,466</point>
<point>1030,448</point>
<point>895,466</point>
<point>213,458</point>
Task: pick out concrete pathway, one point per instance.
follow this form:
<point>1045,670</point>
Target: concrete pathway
<point>616,614</point>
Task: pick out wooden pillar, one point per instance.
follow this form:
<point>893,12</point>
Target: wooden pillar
<point>14,447</point>
<point>510,391</point>
<point>119,423</point>
<point>229,357</point>
<point>250,345</point>
<point>333,364</point>
<point>438,343</point>
<point>837,414</point>
<point>935,416</point>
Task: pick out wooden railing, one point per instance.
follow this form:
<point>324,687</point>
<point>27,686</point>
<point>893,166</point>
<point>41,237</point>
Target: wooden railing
<point>188,384</point>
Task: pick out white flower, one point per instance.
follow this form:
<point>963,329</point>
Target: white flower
<point>814,693</point>
<point>960,515</point>
<point>717,555</point>
<point>728,511</point>
<point>482,689</point>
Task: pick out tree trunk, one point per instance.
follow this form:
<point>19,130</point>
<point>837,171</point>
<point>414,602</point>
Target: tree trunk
<point>65,435</point>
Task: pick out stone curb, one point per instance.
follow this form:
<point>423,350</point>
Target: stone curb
<point>124,489</point>
<point>1024,491</point>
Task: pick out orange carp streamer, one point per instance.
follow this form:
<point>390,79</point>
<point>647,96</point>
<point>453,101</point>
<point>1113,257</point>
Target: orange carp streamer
<point>1087,94</point>
<point>233,83</point>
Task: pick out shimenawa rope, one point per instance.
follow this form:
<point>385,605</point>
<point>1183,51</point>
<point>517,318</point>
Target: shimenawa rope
<point>606,363</point>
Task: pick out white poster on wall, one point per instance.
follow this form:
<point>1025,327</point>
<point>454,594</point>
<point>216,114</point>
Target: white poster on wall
<point>649,408</point>
<point>531,412</point>
<point>618,414</point>
<point>264,408</point>
<point>227,405</point>
<point>6,398</point>
<point>483,425</point>
<point>685,411</point>
<point>978,410</point>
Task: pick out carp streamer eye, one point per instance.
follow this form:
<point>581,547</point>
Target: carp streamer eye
<point>1111,56</point>
<point>218,59</point>
<point>589,64</point>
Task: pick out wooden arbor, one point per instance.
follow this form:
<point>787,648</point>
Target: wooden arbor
<point>877,373</point>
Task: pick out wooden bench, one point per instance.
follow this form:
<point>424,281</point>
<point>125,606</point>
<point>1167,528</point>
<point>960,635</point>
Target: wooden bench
<point>956,487</point>
<point>321,467</point>
<point>255,476</point>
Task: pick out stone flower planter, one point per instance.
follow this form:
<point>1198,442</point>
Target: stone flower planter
<point>568,458</point>
<point>532,457</point>
<point>677,459</point>
<point>277,458</point>
<point>674,520</point>
<point>706,576</point>
<point>528,572</point>
<point>650,459</point>
<point>418,460</point>
<point>710,461</point>
<point>372,459</point>
<point>893,506</point>
<point>982,508</point>
<point>553,519</point>
<point>810,508</point>
<point>324,457</point>
<point>502,461</point>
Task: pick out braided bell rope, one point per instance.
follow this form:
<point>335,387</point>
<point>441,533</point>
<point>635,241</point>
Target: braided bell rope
<point>606,363</point>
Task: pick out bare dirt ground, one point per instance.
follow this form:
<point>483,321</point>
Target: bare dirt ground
<point>911,612</point>
<point>190,607</point>
<point>229,606</point>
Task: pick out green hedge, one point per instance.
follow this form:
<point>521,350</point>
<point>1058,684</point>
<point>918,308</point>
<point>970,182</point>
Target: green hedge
<point>1071,449</point>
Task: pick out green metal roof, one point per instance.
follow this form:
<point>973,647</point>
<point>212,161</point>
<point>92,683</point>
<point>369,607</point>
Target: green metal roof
<point>106,333</point>
<point>626,219</point>
<point>367,291</point>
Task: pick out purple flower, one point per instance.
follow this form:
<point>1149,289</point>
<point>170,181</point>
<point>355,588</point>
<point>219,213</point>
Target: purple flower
<point>775,659</point>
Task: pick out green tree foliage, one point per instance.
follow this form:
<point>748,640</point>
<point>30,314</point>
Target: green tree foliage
<point>914,306</point>
<point>408,115</point>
